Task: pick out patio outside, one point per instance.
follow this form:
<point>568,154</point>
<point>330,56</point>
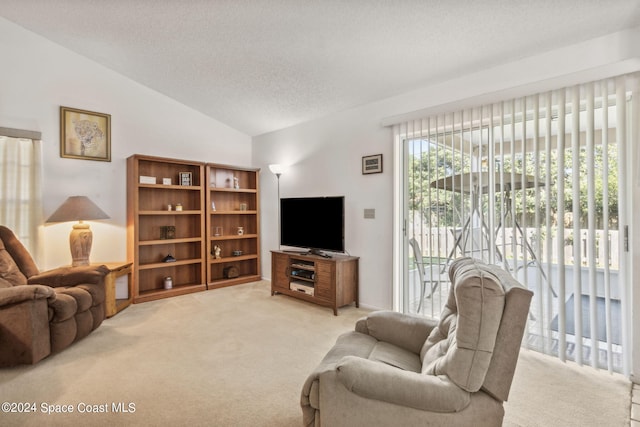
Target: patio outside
<point>548,216</point>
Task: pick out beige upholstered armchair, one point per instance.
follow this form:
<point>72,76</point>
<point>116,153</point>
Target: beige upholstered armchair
<point>44,312</point>
<point>398,369</point>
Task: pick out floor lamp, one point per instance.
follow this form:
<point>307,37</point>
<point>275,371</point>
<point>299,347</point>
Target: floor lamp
<point>277,170</point>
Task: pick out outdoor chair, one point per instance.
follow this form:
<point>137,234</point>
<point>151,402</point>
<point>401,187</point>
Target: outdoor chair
<point>432,274</point>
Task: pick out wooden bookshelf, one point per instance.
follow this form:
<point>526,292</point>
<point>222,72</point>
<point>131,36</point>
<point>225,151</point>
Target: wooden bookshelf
<point>216,200</point>
<point>149,219</point>
<point>232,200</point>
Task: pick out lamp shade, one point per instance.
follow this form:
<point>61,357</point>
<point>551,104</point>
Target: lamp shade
<point>77,208</point>
<point>277,169</point>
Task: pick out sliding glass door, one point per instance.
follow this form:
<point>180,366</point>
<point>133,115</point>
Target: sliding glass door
<point>536,185</point>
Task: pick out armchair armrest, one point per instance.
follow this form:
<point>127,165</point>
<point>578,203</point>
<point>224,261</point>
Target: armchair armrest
<point>70,276</point>
<point>375,380</point>
<point>24,324</point>
<point>404,330</point>
<point>17,294</point>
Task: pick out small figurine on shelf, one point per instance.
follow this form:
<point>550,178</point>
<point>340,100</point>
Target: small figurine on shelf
<point>236,183</point>
<point>217,250</point>
<point>167,232</point>
<point>169,258</point>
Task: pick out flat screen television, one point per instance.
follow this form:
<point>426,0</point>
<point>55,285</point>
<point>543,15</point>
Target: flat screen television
<point>313,223</point>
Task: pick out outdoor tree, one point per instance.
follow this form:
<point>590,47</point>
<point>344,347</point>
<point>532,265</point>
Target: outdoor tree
<point>443,207</point>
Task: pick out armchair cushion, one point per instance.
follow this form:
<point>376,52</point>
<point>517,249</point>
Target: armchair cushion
<point>18,253</point>
<point>18,294</point>
<point>70,276</point>
<point>82,297</point>
<point>96,291</point>
<point>439,342</point>
<point>393,355</point>
<point>10,274</point>
<point>388,384</point>
<point>405,331</point>
<point>62,308</point>
<point>462,349</point>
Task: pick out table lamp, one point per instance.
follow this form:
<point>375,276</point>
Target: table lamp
<point>79,208</point>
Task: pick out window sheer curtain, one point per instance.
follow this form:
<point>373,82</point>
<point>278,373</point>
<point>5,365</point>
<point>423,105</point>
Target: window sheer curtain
<point>21,186</point>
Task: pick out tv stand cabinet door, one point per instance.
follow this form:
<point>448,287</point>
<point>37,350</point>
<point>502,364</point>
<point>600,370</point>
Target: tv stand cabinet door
<point>326,281</point>
<point>279,276</point>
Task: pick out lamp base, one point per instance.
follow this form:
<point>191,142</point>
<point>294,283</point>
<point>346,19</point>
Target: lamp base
<point>80,241</point>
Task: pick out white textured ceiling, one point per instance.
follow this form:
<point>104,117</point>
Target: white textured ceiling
<point>262,65</point>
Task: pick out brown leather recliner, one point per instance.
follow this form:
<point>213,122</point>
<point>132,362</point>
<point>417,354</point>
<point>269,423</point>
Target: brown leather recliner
<point>43,313</point>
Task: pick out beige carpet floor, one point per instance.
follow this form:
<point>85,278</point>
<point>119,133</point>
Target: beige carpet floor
<point>238,357</point>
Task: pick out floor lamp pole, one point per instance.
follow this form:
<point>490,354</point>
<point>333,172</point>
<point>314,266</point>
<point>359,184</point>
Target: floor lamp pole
<point>277,170</point>
<point>279,237</point>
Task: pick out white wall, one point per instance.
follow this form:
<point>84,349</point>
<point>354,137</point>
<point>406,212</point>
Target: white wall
<point>325,154</point>
<point>324,159</point>
<point>38,76</point>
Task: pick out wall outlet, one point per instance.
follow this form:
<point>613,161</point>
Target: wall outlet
<point>369,213</point>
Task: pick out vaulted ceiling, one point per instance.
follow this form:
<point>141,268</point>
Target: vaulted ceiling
<point>263,65</point>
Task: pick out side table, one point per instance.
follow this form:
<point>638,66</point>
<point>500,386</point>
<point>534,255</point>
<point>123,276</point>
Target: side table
<point>116,269</point>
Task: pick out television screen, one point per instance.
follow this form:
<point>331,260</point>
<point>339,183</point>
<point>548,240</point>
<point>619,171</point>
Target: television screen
<point>315,223</point>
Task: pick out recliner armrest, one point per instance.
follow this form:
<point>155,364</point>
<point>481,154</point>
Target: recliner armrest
<point>404,330</point>
<point>18,294</point>
<point>24,324</point>
<point>375,380</point>
<point>70,276</point>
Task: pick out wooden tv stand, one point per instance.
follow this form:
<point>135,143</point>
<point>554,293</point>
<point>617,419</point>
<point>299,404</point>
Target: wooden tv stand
<point>330,282</point>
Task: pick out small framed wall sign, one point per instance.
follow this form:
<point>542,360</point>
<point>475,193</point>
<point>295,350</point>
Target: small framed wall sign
<point>372,164</point>
<point>85,135</point>
<point>184,178</point>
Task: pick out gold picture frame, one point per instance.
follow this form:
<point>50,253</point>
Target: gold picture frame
<point>85,135</point>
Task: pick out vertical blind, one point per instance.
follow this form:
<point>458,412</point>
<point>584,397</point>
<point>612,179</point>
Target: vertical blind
<point>537,185</point>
